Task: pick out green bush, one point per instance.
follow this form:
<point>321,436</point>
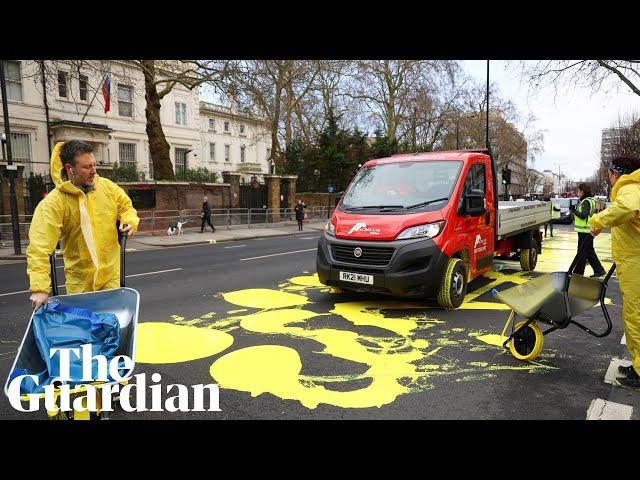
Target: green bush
<point>201,175</point>
<point>125,173</point>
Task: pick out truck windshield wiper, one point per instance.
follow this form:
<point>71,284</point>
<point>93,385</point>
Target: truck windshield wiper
<point>381,207</point>
<point>422,204</point>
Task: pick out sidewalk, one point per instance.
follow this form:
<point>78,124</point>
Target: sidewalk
<point>194,237</point>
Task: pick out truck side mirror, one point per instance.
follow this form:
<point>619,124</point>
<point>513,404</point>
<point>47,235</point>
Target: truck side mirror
<point>474,203</point>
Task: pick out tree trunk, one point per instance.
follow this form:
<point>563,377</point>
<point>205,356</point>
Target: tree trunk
<point>158,145</point>
<point>275,123</point>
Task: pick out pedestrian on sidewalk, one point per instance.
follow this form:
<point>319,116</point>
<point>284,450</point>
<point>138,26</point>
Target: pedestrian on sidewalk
<point>553,215</point>
<point>582,214</point>
<point>206,215</point>
<point>623,216</point>
<point>300,207</point>
<point>83,211</point>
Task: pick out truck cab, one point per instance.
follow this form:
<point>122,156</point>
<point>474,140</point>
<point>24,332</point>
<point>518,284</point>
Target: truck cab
<point>424,225</point>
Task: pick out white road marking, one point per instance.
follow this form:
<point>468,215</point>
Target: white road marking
<point>604,410</point>
<point>624,339</point>
<point>612,371</point>
<point>308,238</point>
<point>127,276</point>
<point>276,254</point>
<point>236,246</point>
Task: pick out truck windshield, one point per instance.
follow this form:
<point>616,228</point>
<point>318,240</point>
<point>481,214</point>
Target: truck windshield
<point>390,187</point>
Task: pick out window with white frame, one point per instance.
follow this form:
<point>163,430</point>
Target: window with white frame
<point>125,100</point>
<point>212,152</point>
<point>13,77</point>
<point>181,163</point>
<point>226,127</point>
<point>82,84</point>
<point>241,129</point>
<point>127,154</point>
<point>63,84</point>
<point>181,113</point>
<point>227,153</point>
<point>242,150</point>
<point>212,124</point>
<point>150,168</point>
<point>20,148</point>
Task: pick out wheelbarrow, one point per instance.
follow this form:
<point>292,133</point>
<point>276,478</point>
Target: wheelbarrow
<point>553,299</point>
<point>123,302</point>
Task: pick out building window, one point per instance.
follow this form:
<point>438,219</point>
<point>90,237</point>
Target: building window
<point>14,80</point>
<point>212,124</point>
<point>21,150</point>
<point>212,152</point>
<point>63,78</point>
<point>125,100</point>
<point>181,163</point>
<point>150,168</point>
<point>83,87</point>
<point>242,129</point>
<point>226,127</point>
<point>181,113</point>
<point>242,149</point>
<point>127,154</point>
<point>227,153</point>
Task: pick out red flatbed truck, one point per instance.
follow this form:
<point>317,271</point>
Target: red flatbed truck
<point>425,225</point>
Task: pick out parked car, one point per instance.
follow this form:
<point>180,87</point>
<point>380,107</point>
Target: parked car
<point>565,215</point>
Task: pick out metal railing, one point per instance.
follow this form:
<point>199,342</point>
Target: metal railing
<point>156,222</point>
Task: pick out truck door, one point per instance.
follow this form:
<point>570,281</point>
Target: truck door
<point>478,229</point>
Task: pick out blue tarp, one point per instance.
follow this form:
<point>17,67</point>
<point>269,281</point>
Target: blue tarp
<point>59,326</point>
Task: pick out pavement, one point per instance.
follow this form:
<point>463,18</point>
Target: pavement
<point>193,236</point>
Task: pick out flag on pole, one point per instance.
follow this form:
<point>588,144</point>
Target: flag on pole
<point>106,93</point>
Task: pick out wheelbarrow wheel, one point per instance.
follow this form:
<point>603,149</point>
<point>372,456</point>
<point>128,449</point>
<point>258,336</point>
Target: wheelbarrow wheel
<point>527,342</point>
<point>453,286</point>
<point>529,257</point>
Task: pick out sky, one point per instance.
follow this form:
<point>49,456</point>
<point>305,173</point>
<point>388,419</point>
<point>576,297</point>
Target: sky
<point>572,123</point>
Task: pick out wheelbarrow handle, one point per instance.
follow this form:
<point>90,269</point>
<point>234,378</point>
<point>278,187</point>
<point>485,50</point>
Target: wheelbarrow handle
<point>122,238</point>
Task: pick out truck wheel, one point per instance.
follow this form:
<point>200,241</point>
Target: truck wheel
<point>529,256</point>
<point>453,286</point>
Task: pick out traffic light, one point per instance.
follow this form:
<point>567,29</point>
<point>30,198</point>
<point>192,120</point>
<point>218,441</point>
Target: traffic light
<point>506,176</point>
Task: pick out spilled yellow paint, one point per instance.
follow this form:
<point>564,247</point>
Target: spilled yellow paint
<point>492,339</point>
<point>158,342</point>
<point>264,298</point>
<point>370,313</point>
<point>307,281</point>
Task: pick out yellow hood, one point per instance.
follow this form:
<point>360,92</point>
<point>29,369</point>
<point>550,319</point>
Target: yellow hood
<point>57,168</point>
<point>633,177</point>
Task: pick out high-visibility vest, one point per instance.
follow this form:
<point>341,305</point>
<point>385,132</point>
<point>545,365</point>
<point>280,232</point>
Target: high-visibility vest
<point>582,225</point>
<point>554,214</point>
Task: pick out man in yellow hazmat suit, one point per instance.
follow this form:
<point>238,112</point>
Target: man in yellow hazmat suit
<point>83,211</point>
<point>623,216</point>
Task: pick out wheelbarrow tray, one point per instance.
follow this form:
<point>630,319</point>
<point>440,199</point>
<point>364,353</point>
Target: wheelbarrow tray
<point>543,298</point>
<point>122,302</point>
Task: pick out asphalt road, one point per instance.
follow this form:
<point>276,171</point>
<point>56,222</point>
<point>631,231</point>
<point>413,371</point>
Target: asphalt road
<point>251,317</point>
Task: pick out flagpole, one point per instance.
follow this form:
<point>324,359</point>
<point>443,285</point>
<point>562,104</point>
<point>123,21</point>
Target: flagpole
<point>91,103</point>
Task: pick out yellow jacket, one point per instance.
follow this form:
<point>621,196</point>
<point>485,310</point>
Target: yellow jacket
<point>87,225</point>
<point>624,216</point>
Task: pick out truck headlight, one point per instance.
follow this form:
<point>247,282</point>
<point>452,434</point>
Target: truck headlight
<point>330,229</point>
<point>428,230</point>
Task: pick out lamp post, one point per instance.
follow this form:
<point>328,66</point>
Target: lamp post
<point>559,177</point>
<point>11,171</point>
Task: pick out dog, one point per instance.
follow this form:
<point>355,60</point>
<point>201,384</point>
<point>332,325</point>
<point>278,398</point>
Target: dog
<point>176,229</point>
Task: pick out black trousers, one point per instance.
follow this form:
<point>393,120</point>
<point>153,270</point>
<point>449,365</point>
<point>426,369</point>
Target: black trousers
<point>207,220</point>
<point>300,224</point>
<point>550,224</point>
<point>589,255</point>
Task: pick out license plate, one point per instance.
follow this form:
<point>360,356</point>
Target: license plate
<point>356,278</point>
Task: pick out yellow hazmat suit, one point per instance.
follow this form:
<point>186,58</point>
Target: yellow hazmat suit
<point>87,225</point>
<point>623,216</point>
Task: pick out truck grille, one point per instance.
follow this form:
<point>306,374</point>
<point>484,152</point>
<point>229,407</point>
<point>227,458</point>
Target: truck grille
<point>370,255</point>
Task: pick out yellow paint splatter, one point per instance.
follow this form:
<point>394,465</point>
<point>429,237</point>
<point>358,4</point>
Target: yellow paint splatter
<point>492,339</point>
<point>369,313</point>
<point>237,311</point>
<point>166,343</point>
<point>307,281</point>
<point>264,298</point>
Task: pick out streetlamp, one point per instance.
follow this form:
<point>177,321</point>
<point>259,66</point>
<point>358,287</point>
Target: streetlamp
<point>458,128</point>
<point>559,177</point>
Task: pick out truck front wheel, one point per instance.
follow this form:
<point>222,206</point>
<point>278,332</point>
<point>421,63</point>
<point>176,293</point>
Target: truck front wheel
<point>529,256</point>
<point>453,286</point>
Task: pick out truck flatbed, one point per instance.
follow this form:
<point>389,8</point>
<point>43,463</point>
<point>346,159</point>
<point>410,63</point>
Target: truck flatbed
<point>516,217</point>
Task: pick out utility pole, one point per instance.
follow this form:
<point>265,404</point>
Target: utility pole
<point>11,170</point>
<point>559,178</point>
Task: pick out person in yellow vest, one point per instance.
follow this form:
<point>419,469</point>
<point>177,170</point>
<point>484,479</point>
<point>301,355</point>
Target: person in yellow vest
<point>83,211</point>
<point>623,216</point>
<point>581,215</point>
<point>554,214</point>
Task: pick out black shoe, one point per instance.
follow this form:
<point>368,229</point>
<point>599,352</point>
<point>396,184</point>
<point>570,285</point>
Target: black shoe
<point>632,383</point>
<point>627,371</point>
<point>213,230</point>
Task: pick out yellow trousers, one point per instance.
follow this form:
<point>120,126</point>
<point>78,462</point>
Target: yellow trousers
<point>629,276</point>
